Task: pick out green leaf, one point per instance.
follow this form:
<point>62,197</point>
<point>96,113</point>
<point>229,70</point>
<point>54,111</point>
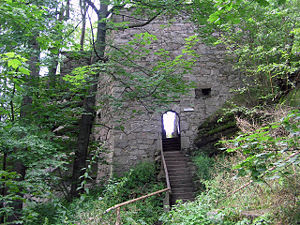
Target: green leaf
<point>14,63</point>
<point>10,54</point>
<point>24,71</point>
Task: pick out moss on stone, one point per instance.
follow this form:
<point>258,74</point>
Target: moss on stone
<point>221,128</point>
<point>213,129</point>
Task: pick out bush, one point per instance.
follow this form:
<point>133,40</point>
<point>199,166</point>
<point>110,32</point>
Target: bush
<point>90,208</point>
<point>204,165</point>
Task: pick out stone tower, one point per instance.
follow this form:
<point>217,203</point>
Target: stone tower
<point>140,140</point>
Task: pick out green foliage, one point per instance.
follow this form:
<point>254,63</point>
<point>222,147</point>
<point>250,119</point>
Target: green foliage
<point>12,76</point>
<point>267,153</point>
<point>268,56</point>
<point>272,202</point>
<point>89,209</point>
<point>154,84</point>
<point>254,184</point>
<point>7,179</point>
<point>133,183</point>
<point>201,211</point>
<point>37,153</point>
<point>204,165</point>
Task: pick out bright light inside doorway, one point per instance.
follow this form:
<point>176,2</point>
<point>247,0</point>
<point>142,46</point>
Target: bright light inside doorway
<point>169,119</point>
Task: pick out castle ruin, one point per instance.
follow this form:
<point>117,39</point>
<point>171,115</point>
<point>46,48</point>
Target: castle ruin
<point>140,138</point>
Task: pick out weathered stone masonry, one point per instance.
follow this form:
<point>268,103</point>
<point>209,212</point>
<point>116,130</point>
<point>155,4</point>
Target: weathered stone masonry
<point>140,140</point>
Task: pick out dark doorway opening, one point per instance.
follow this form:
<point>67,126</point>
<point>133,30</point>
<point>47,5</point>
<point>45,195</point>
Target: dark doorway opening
<point>171,131</point>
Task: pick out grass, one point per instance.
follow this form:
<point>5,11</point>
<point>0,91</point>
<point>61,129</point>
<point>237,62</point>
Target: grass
<point>229,197</point>
<point>272,202</point>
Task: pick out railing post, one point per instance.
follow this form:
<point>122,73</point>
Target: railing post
<point>118,219</point>
<point>167,198</point>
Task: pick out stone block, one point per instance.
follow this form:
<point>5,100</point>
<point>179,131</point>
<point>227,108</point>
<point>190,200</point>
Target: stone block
<point>184,125</point>
<point>185,142</point>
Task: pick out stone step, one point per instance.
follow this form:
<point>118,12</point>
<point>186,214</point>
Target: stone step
<point>174,172</point>
<point>177,169</point>
<point>172,146</point>
<point>174,153</point>
<point>171,149</point>
<point>182,181</point>
<point>186,195</point>
<point>175,147</point>
<point>170,139</point>
<point>171,143</point>
<point>175,158</point>
<point>177,190</point>
<point>179,184</point>
<point>175,176</point>
<point>180,177</point>
<point>177,164</point>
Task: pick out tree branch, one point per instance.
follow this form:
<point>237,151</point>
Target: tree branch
<point>93,41</point>
<point>90,3</point>
<point>138,24</point>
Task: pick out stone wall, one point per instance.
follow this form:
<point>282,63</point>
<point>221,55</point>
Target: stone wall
<point>140,139</point>
<point>71,60</point>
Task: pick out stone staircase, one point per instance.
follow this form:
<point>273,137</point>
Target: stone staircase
<point>179,174</point>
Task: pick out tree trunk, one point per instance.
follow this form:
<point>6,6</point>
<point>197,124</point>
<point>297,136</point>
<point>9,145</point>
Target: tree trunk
<point>64,15</point>
<point>83,10</point>
<point>87,118</point>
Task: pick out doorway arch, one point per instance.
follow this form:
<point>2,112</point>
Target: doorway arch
<point>170,121</point>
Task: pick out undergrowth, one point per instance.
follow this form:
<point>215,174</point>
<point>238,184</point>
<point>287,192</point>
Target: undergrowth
<point>90,208</point>
<point>272,202</point>
<point>256,183</point>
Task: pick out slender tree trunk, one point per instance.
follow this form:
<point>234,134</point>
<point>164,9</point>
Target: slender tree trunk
<point>87,118</point>
<point>67,10</point>
<point>64,15</point>
<point>83,10</point>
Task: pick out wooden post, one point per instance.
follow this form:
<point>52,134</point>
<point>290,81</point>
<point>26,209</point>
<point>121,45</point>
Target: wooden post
<point>118,219</point>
